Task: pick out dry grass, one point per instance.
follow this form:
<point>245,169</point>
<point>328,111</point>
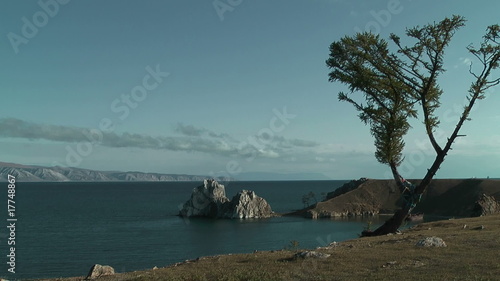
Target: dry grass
<point>471,255</point>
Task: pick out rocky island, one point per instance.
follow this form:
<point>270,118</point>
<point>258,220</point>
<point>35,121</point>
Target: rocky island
<point>209,200</point>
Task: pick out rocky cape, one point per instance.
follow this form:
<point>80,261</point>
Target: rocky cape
<point>209,200</point>
<point>25,173</point>
<point>444,197</point>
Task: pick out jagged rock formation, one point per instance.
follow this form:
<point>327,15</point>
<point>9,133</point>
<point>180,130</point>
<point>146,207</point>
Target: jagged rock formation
<point>246,205</point>
<point>98,270</point>
<point>209,200</point>
<point>24,173</point>
<point>486,205</point>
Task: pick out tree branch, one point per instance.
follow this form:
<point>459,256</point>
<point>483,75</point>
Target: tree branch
<point>397,177</point>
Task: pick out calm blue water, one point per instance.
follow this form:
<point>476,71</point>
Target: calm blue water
<point>65,228</point>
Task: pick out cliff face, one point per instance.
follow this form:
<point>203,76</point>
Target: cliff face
<point>445,197</point>
<point>36,173</point>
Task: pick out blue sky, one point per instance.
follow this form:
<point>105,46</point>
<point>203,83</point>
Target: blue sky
<point>218,87</point>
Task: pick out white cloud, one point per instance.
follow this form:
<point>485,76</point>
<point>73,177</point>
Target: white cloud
<point>489,145</point>
<point>192,139</point>
<point>464,61</point>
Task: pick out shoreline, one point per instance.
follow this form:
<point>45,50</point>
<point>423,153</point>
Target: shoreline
<point>372,256</point>
<point>353,194</point>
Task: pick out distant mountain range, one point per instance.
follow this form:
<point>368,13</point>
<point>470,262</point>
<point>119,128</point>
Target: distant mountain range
<point>26,173</point>
<point>31,173</point>
<point>268,176</point>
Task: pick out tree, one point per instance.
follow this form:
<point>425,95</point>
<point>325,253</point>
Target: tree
<point>312,195</point>
<point>397,86</point>
<point>306,199</point>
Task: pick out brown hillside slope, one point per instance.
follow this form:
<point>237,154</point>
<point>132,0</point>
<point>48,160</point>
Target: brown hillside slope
<point>446,197</point>
<point>456,197</point>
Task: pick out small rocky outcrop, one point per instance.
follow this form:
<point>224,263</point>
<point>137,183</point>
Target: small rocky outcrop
<point>431,242</point>
<point>98,270</point>
<point>209,200</point>
<point>486,205</point>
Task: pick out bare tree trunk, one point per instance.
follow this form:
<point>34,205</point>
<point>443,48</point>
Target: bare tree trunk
<point>392,224</point>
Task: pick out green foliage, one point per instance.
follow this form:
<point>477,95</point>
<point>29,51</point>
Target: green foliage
<point>363,62</point>
<point>312,195</point>
<point>306,199</point>
<point>392,83</point>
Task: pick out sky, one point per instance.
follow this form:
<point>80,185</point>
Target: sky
<point>220,88</point>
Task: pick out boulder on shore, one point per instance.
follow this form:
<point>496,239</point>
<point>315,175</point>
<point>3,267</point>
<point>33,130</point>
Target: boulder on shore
<point>209,200</point>
<point>98,270</point>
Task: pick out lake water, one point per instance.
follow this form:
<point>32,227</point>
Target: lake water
<point>64,228</point>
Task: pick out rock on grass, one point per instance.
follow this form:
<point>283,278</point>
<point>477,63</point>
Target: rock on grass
<point>431,242</point>
<point>311,254</point>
